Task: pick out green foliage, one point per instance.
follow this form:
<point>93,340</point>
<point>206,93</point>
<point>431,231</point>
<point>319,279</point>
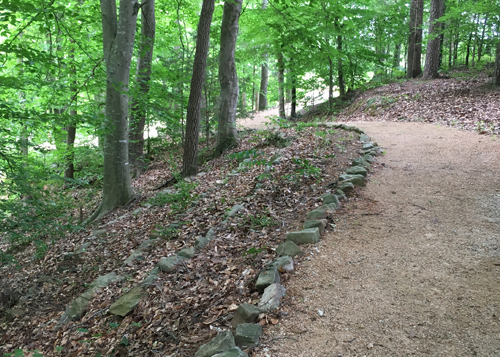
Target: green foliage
<point>20,353</point>
<point>178,199</point>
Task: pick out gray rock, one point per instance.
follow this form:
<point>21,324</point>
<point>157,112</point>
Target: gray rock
<point>13,313</point>
<point>223,342</point>
<point>203,241</point>
<point>346,186</point>
<point>270,300</point>
<point>247,335</point>
<point>357,170</point>
<point>136,255</point>
<point>358,180</point>
<point>187,252</point>
<point>234,210</point>
<point>289,248</point>
<point>340,194</point>
<point>76,309</point>
<point>306,236</point>
<point>368,146</point>
<point>233,352</point>
<point>275,159</point>
<point>168,264</point>
<point>331,198</point>
<point>246,313</point>
<point>266,278</point>
<point>361,161</point>
<point>364,138</point>
<point>99,232</point>
<point>322,211</point>
<point>284,262</point>
<point>151,278</point>
<point>147,245</point>
<point>81,249</point>
<point>137,211</point>
<point>127,302</point>
<point>316,223</point>
<point>369,158</point>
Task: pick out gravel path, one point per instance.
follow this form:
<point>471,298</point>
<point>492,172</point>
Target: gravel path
<point>413,267</point>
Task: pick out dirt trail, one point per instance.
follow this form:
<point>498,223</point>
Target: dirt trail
<point>413,267</point>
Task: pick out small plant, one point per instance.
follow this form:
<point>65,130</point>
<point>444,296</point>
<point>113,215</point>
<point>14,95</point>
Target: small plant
<point>306,169</point>
<point>262,221</point>
<point>179,200</point>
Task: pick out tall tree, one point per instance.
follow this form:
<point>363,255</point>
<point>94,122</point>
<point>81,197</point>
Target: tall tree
<point>434,44</point>
<point>190,157</point>
<point>118,44</point>
<point>264,74</point>
<point>414,67</point>
<point>281,86</point>
<point>227,136</point>
<point>140,99</point>
<point>496,75</point>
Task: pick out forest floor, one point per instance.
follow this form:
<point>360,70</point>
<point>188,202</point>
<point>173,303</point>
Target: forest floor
<point>411,268</point>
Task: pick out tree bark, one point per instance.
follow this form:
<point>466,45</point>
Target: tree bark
<point>281,86</point>
<point>434,43</point>
<point>264,78</point>
<point>193,117</point>
<point>496,75</point>
<point>140,101</point>
<point>330,83</point>
<point>118,44</point>
<point>293,110</point>
<point>227,136</point>
<point>414,67</point>
<point>480,47</point>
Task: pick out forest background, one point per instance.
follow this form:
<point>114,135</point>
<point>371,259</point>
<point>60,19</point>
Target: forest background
<point>57,120</point>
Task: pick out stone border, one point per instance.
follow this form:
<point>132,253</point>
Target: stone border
<point>247,332</point>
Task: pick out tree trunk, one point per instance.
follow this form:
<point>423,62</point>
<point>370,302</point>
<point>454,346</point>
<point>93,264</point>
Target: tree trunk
<point>496,75</point>
<point>340,68</point>
<point>69,173</point>
<point>118,45</point>
<point>468,50</point>
<point>434,43</point>
<point>414,67</point>
<point>480,47</point>
<point>293,111</point>
<point>264,75</point>
<point>397,56</point>
<point>281,86</point>
<point>227,136</point>
<point>264,78</point>
<point>140,101</point>
<point>190,157</point>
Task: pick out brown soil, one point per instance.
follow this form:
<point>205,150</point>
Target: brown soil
<point>413,266</point>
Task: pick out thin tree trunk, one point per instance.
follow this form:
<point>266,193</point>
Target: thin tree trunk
<point>190,157</point>
<point>227,136</point>
<point>340,68</point>
<point>140,101</point>
<point>397,56</point>
<point>254,107</point>
<point>118,44</point>
<point>433,45</point>
<point>293,111</point>
<point>281,86</point>
<point>480,47</point>
<point>330,83</point>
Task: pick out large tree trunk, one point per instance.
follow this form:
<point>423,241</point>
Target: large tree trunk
<point>281,86</point>
<point>496,75</point>
<point>140,101</point>
<point>190,157</point>
<point>118,44</point>
<point>414,67</point>
<point>227,136</point>
<point>434,44</point>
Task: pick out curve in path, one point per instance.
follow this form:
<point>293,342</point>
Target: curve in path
<point>420,273</point>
